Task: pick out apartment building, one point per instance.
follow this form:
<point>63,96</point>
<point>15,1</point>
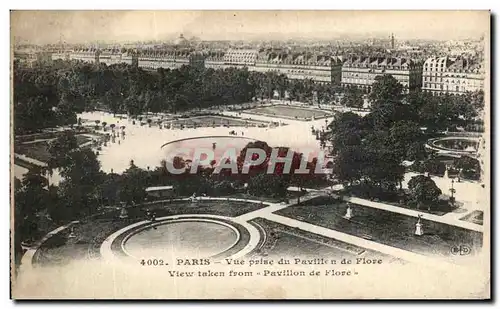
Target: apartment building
<point>361,71</point>
<point>453,75</point>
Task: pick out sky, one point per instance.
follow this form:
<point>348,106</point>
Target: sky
<point>42,27</point>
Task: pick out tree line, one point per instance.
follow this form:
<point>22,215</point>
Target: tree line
<point>46,96</point>
<point>370,152</point>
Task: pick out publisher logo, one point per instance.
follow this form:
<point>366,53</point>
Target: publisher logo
<point>460,250</point>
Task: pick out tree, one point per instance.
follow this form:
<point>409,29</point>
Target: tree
<point>382,168</point>
<point>110,189</point>
<point>403,135</point>
<point>41,99</point>
<point>264,184</point>
<point>254,169</point>
<point>30,198</point>
<point>61,148</point>
<point>424,192</point>
<point>346,129</point>
<point>468,166</point>
<point>416,152</point>
<point>477,100</point>
<point>432,165</point>
<point>348,165</point>
<point>79,191</point>
<point>386,101</point>
<point>133,186</point>
<point>429,116</point>
<point>353,97</point>
<point>386,90</point>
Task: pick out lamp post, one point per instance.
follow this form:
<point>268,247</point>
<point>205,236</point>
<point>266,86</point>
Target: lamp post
<point>452,190</point>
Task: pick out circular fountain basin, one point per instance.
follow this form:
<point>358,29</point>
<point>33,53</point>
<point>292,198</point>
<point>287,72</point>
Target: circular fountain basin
<point>196,238</point>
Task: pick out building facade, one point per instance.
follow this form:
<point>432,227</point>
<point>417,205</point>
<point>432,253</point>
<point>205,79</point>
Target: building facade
<point>240,58</point>
<point>32,58</point>
<point>361,71</point>
<point>114,56</point>
<point>321,68</point>
<point>26,59</point>
<point>85,55</point>
<point>173,59</point>
<point>455,75</point>
<point>214,60</point>
<point>61,55</point>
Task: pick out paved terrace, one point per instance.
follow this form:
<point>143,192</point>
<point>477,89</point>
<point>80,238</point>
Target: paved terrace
<point>414,213</point>
<point>441,263</point>
<point>268,213</point>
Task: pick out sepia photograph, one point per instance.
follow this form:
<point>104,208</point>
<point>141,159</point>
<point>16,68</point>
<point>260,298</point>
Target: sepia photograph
<point>321,154</point>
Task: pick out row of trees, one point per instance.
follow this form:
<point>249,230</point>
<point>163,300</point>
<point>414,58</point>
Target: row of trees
<point>370,151</point>
<point>46,96</point>
<point>373,148</point>
<point>446,112</point>
<point>257,181</point>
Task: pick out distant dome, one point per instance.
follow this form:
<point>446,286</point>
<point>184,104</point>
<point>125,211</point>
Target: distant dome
<point>181,40</point>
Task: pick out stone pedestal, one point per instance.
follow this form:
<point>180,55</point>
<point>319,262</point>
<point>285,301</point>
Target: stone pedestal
<point>123,214</point>
<point>348,213</point>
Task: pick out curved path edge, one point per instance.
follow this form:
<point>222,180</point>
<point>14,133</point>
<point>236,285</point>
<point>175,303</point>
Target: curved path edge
<point>27,259</point>
<point>108,255</point>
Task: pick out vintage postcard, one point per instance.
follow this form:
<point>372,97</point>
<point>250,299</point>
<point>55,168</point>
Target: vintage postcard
<point>250,154</point>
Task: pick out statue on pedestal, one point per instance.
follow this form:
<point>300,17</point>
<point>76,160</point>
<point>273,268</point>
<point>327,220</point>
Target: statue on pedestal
<point>123,212</point>
<point>419,231</point>
<point>348,213</point>
<point>193,198</point>
<point>72,233</point>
